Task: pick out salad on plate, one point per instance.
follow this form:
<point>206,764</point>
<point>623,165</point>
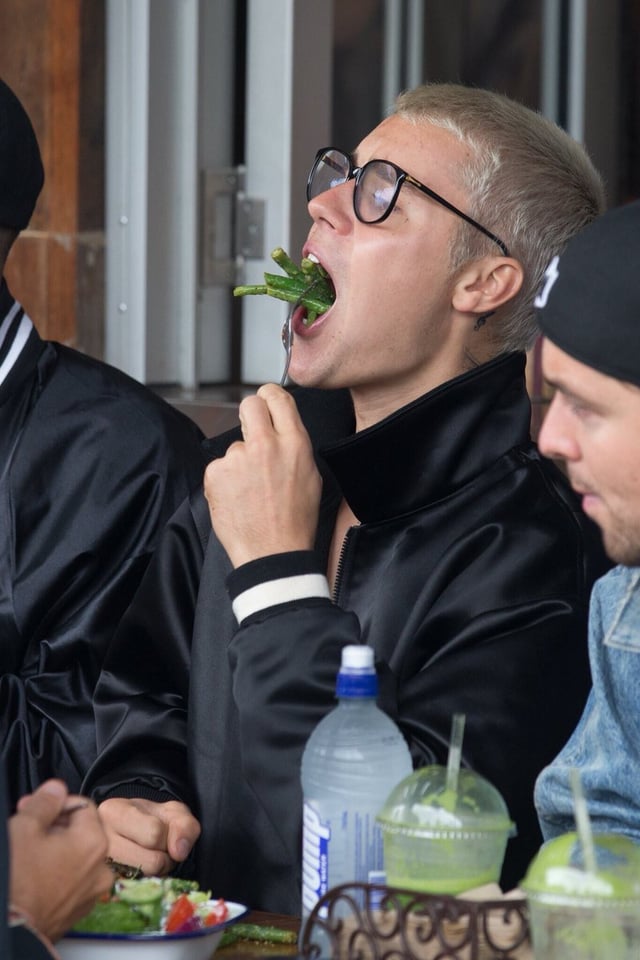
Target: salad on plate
<point>154,905</point>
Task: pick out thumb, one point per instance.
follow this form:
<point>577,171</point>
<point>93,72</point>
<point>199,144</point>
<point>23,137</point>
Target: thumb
<point>46,803</point>
<point>179,848</point>
<point>181,838</point>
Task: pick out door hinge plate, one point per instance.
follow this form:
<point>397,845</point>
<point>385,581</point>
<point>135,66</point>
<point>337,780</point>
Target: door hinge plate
<point>231,227</point>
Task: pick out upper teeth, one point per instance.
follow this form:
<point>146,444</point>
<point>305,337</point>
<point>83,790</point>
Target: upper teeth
<point>313,258</point>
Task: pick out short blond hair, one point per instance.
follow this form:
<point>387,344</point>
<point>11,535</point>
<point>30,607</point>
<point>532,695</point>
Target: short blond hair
<point>528,181</point>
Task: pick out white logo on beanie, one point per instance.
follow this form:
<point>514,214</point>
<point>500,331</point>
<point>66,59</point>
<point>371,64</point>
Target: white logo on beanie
<point>551,274</point>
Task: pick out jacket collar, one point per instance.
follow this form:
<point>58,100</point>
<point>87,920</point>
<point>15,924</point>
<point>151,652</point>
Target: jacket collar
<point>28,355</point>
<point>433,446</point>
<point>327,415</point>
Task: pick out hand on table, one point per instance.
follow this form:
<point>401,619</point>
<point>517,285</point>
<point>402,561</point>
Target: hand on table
<point>57,866</point>
<point>264,493</point>
<point>152,836</point>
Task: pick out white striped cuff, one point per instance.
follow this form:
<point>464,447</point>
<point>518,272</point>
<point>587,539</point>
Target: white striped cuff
<point>283,590</point>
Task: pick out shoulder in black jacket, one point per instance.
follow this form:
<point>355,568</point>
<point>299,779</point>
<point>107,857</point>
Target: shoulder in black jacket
<point>93,464</point>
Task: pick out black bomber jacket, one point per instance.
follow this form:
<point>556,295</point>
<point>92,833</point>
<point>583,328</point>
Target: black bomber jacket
<point>469,574</point>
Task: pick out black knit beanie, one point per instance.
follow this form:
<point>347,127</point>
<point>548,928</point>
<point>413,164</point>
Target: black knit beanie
<point>21,173</point>
<point>589,304</point>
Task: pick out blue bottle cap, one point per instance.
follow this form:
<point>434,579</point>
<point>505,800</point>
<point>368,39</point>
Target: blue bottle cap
<point>357,675</point>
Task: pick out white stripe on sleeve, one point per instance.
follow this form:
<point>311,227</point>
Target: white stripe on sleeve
<point>268,594</point>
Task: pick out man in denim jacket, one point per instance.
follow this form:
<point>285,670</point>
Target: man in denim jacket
<point>589,312</point>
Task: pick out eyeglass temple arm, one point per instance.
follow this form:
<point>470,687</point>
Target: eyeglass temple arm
<point>445,203</point>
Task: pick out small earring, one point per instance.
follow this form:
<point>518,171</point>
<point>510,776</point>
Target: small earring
<point>480,322</point>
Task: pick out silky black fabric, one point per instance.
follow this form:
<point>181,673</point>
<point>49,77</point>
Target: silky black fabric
<point>469,575</point>
<point>92,465</point>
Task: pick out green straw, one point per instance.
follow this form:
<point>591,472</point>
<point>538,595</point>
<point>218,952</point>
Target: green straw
<point>455,751</point>
<point>583,823</point>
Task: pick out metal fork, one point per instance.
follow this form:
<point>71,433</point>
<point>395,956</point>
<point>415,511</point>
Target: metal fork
<point>287,331</point>
<point>287,339</point>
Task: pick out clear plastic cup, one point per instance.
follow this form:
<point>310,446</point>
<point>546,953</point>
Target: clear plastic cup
<point>439,840</point>
<point>580,914</point>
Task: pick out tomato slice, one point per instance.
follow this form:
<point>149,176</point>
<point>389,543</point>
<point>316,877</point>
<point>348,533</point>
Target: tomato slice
<point>181,911</point>
<point>218,912</point>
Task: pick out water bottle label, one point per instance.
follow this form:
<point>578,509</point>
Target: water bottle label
<point>316,835</point>
<point>377,878</point>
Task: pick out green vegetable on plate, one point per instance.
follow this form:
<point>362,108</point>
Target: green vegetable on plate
<point>153,904</point>
<point>257,932</point>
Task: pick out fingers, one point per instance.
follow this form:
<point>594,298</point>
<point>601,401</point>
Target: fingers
<point>182,828</point>
<point>153,863</point>
<point>255,418</point>
<point>46,803</point>
<point>86,838</point>
<point>135,836</point>
<point>149,835</point>
<point>263,494</point>
<point>84,822</point>
<point>132,820</point>
<point>57,867</point>
<point>271,409</point>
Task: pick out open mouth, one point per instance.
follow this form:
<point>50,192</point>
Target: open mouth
<point>308,287</point>
<point>319,296</point>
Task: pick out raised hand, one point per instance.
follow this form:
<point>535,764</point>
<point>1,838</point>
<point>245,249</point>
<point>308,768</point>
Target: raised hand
<point>57,867</point>
<point>150,835</point>
<point>264,493</point>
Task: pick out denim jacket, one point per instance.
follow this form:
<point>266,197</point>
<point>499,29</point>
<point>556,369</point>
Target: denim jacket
<point>605,745</point>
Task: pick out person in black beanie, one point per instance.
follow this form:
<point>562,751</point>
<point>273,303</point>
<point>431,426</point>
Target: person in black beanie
<point>57,869</point>
<point>92,465</point>
<point>589,313</point>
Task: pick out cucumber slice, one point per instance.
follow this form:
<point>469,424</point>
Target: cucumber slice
<point>145,891</point>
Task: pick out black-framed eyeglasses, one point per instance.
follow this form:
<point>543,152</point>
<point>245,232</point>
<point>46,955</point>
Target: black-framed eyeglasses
<point>377,186</point>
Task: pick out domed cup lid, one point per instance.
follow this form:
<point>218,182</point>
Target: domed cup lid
<point>558,870</point>
<point>423,803</point>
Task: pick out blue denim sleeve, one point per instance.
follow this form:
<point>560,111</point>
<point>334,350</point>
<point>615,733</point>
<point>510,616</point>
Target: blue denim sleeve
<point>605,746</point>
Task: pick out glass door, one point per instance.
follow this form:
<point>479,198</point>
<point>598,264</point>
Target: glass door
<point>288,116</point>
<point>213,111</point>
<point>171,71</point>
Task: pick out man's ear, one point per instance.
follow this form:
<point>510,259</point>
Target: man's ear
<point>484,285</point>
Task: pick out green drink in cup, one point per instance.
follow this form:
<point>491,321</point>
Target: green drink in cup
<point>581,914</point>
<point>444,829</point>
<point>436,843</point>
<point>583,892</point>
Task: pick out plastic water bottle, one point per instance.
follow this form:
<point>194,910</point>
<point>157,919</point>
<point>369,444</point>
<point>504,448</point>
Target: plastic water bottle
<point>352,761</point>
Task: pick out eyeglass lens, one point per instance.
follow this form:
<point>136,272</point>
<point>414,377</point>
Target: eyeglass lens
<point>332,167</point>
<point>376,183</point>
<point>376,190</point>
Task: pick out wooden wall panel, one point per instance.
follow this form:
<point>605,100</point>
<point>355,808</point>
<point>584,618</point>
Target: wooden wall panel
<point>47,49</point>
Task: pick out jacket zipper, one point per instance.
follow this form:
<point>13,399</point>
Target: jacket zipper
<point>340,567</point>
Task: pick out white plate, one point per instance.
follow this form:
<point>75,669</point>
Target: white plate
<point>197,945</point>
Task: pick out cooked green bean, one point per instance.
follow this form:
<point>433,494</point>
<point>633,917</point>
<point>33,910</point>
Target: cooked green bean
<point>254,931</point>
<point>309,283</point>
